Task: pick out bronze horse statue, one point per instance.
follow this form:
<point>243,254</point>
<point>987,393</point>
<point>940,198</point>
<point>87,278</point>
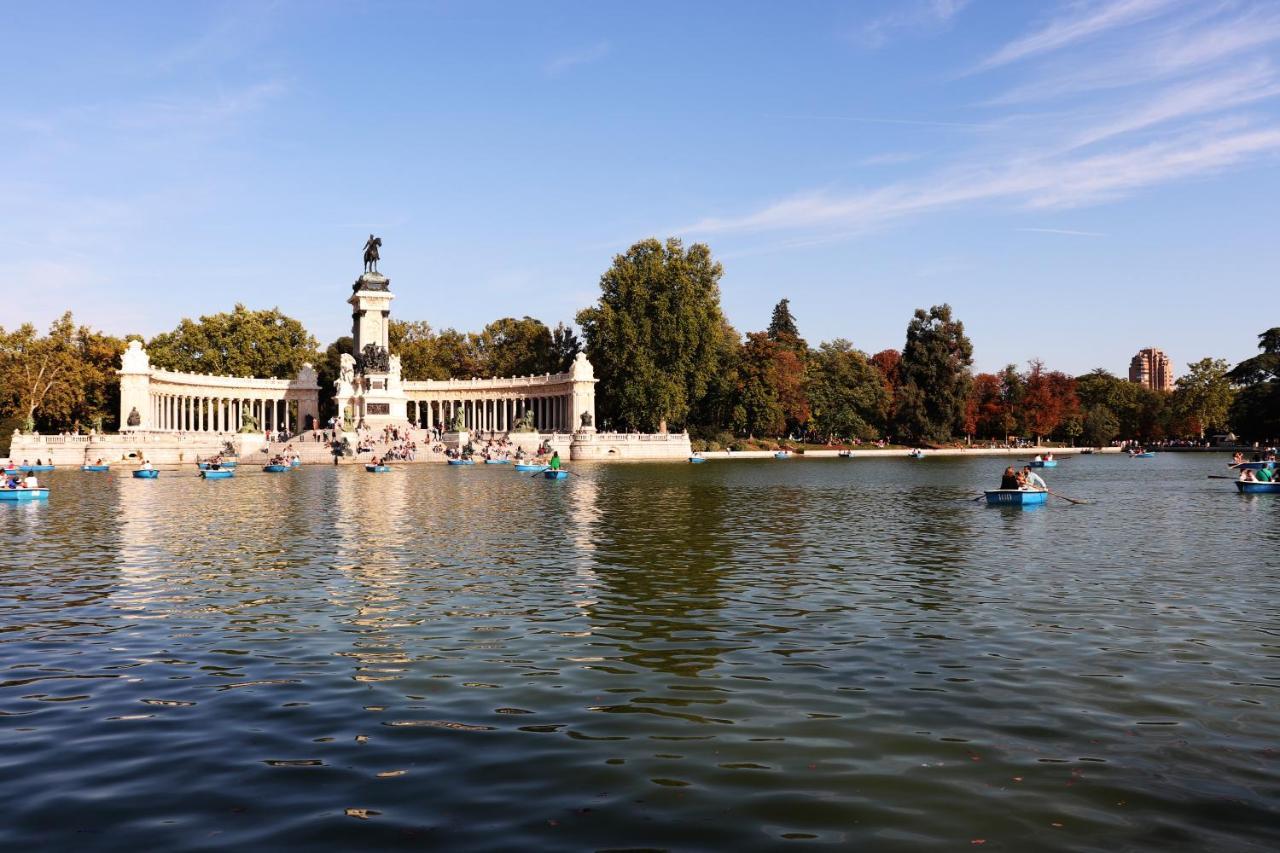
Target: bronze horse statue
<point>371,253</point>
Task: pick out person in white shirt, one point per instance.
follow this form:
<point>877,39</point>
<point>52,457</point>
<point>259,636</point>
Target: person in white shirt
<point>31,482</point>
<point>1034,480</point>
<point>146,466</point>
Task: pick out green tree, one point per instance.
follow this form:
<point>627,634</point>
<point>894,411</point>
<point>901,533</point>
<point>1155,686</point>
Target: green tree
<point>1100,426</point>
<point>935,376</point>
<point>565,346</point>
<point>847,394</point>
<point>265,344</point>
<point>655,337</point>
<point>1203,394</point>
<point>1255,413</point>
<point>511,347</point>
<point>783,330</point>
<point>63,380</point>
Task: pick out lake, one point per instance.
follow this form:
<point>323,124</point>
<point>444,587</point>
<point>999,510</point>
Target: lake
<point>818,654</point>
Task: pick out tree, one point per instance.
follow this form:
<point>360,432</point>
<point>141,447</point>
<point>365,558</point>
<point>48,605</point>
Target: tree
<point>565,346</point>
<point>655,336</point>
<point>1203,394</point>
<point>1049,401</point>
<point>985,410</point>
<point>889,362</point>
<point>264,344</point>
<point>511,347</point>
<point>1013,390</point>
<point>847,394</point>
<point>1100,426</point>
<point>935,376</point>
<point>1255,413</point>
<point>759,410</point>
<point>783,330</point>
<point>63,380</point>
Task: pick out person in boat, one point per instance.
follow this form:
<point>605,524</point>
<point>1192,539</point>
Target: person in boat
<point>11,482</point>
<point>555,461</point>
<point>146,465</point>
<point>31,482</point>
<point>1246,476</point>
<point>1048,457</point>
<point>1236,458</point>
<point>1032,480</point>
<point>1038,458</point>
<point>1264,475</point>
<point>1009,481</point>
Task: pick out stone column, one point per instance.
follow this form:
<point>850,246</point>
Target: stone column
<point>583,395</point>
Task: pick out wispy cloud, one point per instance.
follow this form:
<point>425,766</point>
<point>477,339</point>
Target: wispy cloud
<point>1087,20</point>
<point>889,158</point>
<point>1188,125</point>
<point>1183,45</point>
<point>908,16</point>
<point>1032,183</point>
<point>1064,231</point>
<point>585,56</point>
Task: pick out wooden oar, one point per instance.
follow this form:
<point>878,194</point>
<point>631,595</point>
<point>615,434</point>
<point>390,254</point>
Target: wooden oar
<point>1065,498</point>
<point>1221,477</point>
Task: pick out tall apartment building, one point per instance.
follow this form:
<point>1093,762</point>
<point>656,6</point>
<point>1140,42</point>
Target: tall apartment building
<point>1152,368</point>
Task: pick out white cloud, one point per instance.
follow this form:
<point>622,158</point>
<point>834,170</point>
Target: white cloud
<point>560,64</point>
<point>1088,20</point>
<point>916,16</point>
<point>1186,44</point>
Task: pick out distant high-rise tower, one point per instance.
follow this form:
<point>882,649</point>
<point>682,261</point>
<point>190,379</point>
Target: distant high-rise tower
<point>1152,368</point>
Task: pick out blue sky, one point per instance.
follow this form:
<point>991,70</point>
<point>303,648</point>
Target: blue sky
<point>1078,180</point>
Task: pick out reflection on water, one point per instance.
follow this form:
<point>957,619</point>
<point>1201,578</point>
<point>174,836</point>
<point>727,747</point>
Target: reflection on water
<point>733,655</point>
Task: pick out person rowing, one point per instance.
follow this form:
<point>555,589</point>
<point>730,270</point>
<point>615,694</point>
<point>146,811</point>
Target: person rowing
<point>555,461</point>
<point>1032,480</point>
<point>1009,480</point>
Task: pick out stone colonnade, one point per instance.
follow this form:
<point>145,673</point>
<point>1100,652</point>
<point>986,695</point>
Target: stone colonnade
<point>166,401</point>
<point>499,412</point>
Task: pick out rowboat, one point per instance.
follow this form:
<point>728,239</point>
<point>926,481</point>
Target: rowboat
<point>1251,488</point>
<point>217,474</point>
<point>1146,454</point>
<point>1044,463</point>
<point>230,463</point>
<point>24,494</point>
<point>1016,497</point>
<point>916,454</point>
<point>497,461</point>
<point>529,466</point>
<point>95,467</point>
<point>845,454</point>
<point>555,475</point>
<point>377,469</point>
<point>782,454</point>
<point>276,469</point>
<point>27,469</point>
<point>146,473</point>
<point>462,462</point>
<point>697,460</point>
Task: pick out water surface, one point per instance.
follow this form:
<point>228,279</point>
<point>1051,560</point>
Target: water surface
<point>739,655</point>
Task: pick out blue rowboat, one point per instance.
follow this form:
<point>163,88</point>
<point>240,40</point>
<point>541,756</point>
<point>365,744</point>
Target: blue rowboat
<point>1247,488</point>
<point>377,469</point>
<point>218,474</point>
<point>696,460</point>
<point>1044,463</point>
<point>1145,455</point>
<point>230,463</point>
<point>95,467</point>
<point>497,461</point>
<point>1016,497</point>
<point>275,469</point>
<point>462,462</point>
<point>782,454</point>
<point>27,469</point>
<point>528,467</point>
<point>24,494</point>
<point>555,475</point>
<point>914,455</point>
<point>146,473</point>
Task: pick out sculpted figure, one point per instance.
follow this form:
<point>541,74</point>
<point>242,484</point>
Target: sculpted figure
<point>371,256</point>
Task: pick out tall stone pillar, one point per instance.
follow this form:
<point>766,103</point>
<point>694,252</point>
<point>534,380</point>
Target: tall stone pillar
<point>583,396</point>
<point>135,389</point>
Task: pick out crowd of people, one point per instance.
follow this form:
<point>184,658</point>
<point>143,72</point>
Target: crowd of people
<point>16,480</point>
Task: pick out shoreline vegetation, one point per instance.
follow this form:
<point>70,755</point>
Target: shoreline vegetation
<point>667,359</point>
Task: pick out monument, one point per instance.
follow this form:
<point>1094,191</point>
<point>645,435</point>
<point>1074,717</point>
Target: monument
<point>369,392</point>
